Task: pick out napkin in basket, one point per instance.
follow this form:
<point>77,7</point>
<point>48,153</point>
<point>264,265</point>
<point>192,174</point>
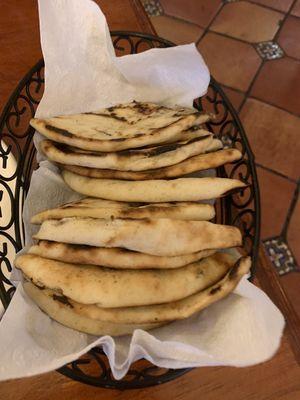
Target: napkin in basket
<point>82,74</point>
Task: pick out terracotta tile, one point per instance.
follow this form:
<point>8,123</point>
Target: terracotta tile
<point>293,235</point>
<point>291,284</point>
<point>179,32</point>
<point>231,62</point>
<point>281,5</point>
<point>247,21</point>
<point>278,83</point>
<point>273,136</point>
<point>234,96</point>
<point>200,12</point>
<point>289,37</point>
<point>296,9</point>
<point>275,197</point>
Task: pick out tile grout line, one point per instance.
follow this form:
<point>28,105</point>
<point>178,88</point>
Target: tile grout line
<point>254,3</point>
<point>247,92</point>
<point>283,233</point>
<point>230,87</point>
<point>252,44</point>
<point>209,25</point>
<point>291,57</point>
<point>273,171</point>
<point>284,19</point>
<point>179,20</point>
<point>263,61</point>
<point>267,7</point>
<point>274,105</point>
<point>260,100</point>
<point>291,209</point>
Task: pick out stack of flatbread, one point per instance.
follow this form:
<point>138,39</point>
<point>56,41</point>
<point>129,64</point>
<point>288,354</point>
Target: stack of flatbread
<point>140,250</point>
<point>134,142</point>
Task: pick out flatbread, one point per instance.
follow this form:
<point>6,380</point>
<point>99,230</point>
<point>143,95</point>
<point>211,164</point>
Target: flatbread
<point>96,208</point>
<point>167,312</point>
<point>130,160</point>
<point>197,163</point>
<point>89,284</point>
<point>152,191</point>
<point>195,132</point>
<point>125,126</point>
<point>159,237</point>
<point>65,314</point>
<point>112,258</point>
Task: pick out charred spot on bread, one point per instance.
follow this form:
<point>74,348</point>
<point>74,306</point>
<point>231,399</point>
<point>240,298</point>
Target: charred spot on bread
<point>61,131</point>
<point>62,299</point>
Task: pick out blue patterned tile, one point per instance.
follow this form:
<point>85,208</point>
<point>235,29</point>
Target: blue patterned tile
<point>280,255</point>
<point>153,7</point>
<point>269,50</point>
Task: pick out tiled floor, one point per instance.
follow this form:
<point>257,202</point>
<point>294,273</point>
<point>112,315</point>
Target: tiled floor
<point>253,49</point>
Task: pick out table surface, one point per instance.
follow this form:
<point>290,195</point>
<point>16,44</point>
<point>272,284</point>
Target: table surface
<point>278,378</point>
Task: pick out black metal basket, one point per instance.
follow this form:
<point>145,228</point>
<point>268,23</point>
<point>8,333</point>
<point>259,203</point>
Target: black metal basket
<point>240,209</point>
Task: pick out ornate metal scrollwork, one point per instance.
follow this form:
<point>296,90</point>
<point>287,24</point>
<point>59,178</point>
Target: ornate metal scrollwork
<point>240,209</point>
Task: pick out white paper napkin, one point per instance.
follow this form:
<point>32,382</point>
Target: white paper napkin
<point>83,74</point>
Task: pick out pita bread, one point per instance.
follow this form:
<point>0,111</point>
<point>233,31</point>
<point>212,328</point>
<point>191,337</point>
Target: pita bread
<point>159,237</point>
<point>195,132</point>
<point>131,160</point>
<point>64,314</point>
<point>112,258</point>
<point>96,208</point>
<point>89,284</point>
<point>152,191</point>
<point>167,312</point>
<point>197,163</point>
<point>125,126</point>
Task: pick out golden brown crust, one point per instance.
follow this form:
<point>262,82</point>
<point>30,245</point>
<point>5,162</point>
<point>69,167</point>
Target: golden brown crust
<point>152,191</point>
<point>89,284</point>
<point>97,132</point>
<point>118,258</point>
<point>159,237</point>
<point>197,163</point>
<point>65,315</point>
<point>134,160</point>
<point>96,208</point>
<point>162,313</point>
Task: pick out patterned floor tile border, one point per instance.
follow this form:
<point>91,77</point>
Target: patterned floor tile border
<point>269,50</point>
<point>280,255</point>
<point>153,7</point>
